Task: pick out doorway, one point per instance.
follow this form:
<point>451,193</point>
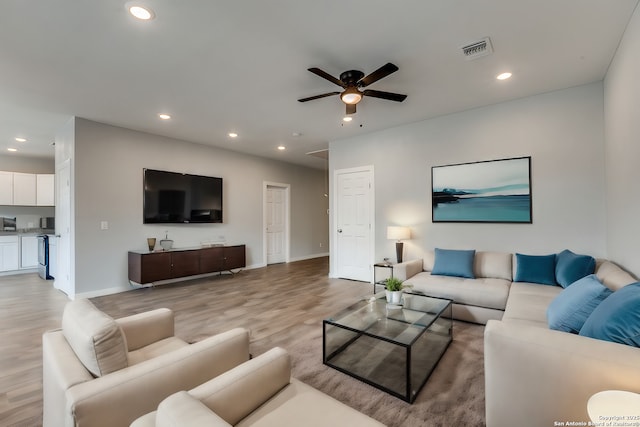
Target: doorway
<point>354,219</point>
<point>276,223</point>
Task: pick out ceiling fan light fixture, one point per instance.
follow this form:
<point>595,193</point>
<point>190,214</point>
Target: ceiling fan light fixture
<point>351,95</point>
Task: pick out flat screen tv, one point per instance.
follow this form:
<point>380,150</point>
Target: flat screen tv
<point>179,198</point>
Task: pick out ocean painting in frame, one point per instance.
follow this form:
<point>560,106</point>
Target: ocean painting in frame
<point>488,191</point>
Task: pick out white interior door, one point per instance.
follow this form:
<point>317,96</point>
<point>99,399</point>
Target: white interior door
<point>354,208</point>
<point>276,223</point>
<point>62,279</point>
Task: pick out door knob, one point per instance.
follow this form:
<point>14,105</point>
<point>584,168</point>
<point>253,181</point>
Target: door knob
<point>339,230</point>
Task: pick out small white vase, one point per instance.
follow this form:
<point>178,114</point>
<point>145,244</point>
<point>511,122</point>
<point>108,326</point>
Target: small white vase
<point>394,297</point>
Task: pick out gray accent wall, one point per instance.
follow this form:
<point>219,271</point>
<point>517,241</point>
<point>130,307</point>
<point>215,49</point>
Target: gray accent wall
<point>562,131</point>
<point>622,130</point>
<point>108,172</point>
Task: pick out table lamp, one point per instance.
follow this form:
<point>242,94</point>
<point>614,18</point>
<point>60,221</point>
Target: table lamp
<point>613,403</point>
<point>398,234</point>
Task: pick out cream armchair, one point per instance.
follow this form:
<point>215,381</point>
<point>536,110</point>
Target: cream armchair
<point>98,371</point>
<point>259,392</point>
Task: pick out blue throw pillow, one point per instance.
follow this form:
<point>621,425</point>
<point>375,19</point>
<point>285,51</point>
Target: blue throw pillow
<point>571,308</point>
<point>571,267</point>
<point>457,263</point>
<point>617,318</point>
<point>536,269</point>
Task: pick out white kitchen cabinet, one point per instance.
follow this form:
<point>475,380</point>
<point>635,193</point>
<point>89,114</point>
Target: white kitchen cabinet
<point>24,189</point>
<point>45,189</point>
<point>6,188</point>
<point>28,251</point>
<point>53,255</point>
<point>9,253</point>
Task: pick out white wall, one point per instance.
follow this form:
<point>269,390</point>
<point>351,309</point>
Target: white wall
<point>108,187</point>
<point>622,133</point>
<point>563,133</point>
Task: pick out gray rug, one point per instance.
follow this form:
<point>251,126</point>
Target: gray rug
<point>453,395</point>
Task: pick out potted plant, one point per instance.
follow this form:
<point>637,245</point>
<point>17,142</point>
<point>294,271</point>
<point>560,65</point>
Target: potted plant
<point>394,287</point>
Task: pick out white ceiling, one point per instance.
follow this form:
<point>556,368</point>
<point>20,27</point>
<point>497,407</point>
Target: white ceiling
<point>220,66</point>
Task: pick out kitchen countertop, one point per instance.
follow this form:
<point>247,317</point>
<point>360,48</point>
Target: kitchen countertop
<point>27,232</point>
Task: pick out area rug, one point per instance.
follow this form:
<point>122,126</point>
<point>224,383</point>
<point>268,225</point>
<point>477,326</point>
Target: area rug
<point>453,394</point>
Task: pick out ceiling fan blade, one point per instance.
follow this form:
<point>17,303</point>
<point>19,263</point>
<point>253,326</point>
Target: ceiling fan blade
<point>385,95</point>
<point>327,76</point>
<point>381,72</point>
<point>324,95</point>
<point>351,109</point>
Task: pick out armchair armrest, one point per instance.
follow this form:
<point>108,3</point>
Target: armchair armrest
<point>540,376</point>
<point>406,270</point>
<point>181,410</point>
<point>238,392</point>
<point>146,328</point>
<point>139,389</point>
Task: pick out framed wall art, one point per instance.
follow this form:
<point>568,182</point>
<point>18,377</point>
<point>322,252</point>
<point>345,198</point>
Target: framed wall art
<point>486,191</point>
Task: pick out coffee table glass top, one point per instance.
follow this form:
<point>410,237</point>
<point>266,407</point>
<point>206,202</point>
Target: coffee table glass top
<point>408,321</point>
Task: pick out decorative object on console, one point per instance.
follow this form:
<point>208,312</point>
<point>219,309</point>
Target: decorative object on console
<point>451,262</point>
<point>487,191</point>
<point>398,234</point>
<point>613,404</point>
<point>151,242</point>
<point>166,243</point>
<point>536,269</point>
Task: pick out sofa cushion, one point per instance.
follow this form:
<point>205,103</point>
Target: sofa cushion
<point>617,318</point>
<point>536,269</point>
<point>528,302</point>
<point>493,264</point>
<point>571,267</point>
<point>571,308</point>
<point>95,337</point>
<point>457,263</point>
<point>612,276</point>
<point>481,292</point>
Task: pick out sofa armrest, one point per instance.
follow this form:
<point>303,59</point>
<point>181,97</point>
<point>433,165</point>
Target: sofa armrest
<point>121,397</point>
<point>538,376</point>
<point>146,328</point>
<point>408,269</point>
<point>240,391</point>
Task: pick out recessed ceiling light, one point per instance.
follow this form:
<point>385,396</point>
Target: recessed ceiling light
<point>20,139</point>
<point>503,76</point>
<point>233,135</point>
<point>281,147</point>
<point>143,13</point>
<point>164,116</point>
<point>12,149</point>
<point>347,118</point>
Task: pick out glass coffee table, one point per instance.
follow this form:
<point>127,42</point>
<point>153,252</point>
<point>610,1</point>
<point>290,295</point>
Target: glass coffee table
<point>392,347</point>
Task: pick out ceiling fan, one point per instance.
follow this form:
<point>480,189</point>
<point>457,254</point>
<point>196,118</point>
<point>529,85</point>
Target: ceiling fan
<point>352,81</point>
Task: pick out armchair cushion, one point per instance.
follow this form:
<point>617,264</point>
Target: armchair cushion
<point>95,338</point>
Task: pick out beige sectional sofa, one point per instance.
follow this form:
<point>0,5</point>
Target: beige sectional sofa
<point>534,376</point>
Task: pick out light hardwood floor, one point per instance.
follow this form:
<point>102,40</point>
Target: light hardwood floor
<point>268,301</point>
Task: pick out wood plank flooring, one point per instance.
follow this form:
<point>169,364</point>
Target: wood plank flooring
<point>268,301</point>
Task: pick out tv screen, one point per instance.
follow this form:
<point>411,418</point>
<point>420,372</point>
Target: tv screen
<point>171,197</point>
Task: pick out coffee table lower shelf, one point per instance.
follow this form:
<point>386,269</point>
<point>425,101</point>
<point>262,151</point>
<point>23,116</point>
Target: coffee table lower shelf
<point>393,350</point>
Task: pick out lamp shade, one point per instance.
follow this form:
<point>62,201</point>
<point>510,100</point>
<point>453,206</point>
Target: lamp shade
<point>398,233</point>
<point>611,403</point>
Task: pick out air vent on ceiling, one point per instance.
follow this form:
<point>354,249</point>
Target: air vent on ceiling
<point>477,49</point>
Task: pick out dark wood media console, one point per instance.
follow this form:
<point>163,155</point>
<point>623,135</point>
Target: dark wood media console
<point>148,267</point>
